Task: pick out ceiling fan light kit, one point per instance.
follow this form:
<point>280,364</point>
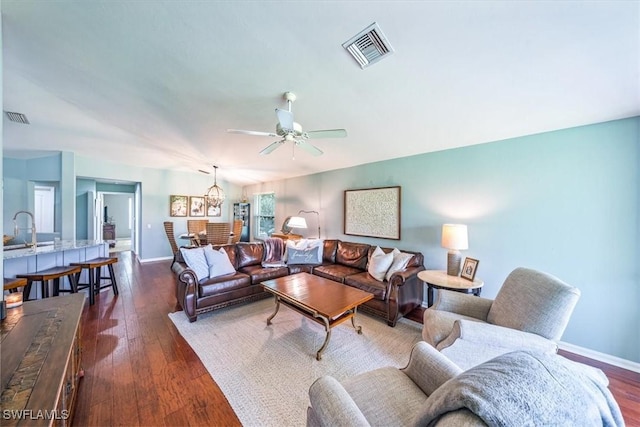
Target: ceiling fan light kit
<point>291,131</point>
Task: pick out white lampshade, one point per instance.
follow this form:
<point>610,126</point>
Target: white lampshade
<point>454,236</point>
<point>297,222</point>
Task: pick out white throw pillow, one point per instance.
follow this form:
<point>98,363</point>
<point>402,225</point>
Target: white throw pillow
<point>379,263</point>
<point>196,260</point>
<point>218,261</point>
<point>400,262</point>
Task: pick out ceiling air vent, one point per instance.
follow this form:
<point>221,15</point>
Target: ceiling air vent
<point>17,117</point>
<point>368,46</point>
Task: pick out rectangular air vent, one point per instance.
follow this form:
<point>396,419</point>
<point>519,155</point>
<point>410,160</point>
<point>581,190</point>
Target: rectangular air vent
<point>17,117</point>
<point>368,46</point>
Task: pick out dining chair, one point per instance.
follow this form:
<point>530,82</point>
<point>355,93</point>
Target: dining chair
<point>195,228</point>
<point>168,228</point>
<point>237,231</point>
<point>218,233</point>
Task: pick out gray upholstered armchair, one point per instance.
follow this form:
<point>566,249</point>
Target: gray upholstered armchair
<point>521,388</point>
<point>530,312</point>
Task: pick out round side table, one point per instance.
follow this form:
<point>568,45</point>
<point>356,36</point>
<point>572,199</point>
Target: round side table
<point>439,279</point>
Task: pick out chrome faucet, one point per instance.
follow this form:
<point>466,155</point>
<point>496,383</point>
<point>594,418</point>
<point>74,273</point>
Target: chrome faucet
<point>33,228</point>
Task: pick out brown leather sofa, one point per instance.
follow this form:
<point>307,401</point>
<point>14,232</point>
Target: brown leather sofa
<point>344,262</point>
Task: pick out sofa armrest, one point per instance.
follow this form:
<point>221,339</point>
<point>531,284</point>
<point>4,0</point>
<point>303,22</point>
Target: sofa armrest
<point>497,336</point>
<point>186,289</point>
<point>332,405</point>
<point>399,278</point>
<point>464,304</point>
<point>429,368</point>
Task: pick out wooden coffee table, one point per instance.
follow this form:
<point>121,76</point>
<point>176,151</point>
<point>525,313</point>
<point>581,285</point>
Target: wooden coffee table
<point>324,301</point>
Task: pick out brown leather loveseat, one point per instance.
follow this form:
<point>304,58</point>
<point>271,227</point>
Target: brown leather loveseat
<point>344,262</point>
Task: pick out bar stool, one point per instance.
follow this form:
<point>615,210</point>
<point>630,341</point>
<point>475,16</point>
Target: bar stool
<point>55,274</point>
<point>94,270</point>
<point>12,285</point>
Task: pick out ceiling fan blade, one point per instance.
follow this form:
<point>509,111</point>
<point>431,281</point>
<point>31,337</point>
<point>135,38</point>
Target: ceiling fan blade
<point>285,118</point>
<point>271,147</point>
<point>311,149</point>
<point>329,133</point>
<point>252,132</point>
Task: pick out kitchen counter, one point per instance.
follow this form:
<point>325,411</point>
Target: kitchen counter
<point>18,251</point>
<point>29,260</point>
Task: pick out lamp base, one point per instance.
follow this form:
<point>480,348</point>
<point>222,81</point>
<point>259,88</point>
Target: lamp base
<point>453,263</point>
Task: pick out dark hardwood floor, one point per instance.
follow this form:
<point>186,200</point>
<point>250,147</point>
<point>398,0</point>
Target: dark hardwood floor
<point>139,371</point>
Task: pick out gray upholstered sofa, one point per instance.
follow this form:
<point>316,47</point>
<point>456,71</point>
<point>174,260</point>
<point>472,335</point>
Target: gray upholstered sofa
<point>518,388</point>
<point>530,312</point>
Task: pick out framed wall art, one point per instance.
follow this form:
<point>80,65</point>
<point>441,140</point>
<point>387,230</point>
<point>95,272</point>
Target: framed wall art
<point>213,210</point>
<point>469,268</point>
<point>373,212</point>
<point>196,206</point>
<point>178,205</point>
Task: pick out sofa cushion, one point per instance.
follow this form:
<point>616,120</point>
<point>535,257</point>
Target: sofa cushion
<point>258,273</point>
<point>223,284</point>
<point>329,252</point>
<point>335,272</point>
<point>365,282</point>
<point>352,254</point>
<point>249,254</point>
<point>196,260</point>
<point>218,261</point>
<point>379,263</point>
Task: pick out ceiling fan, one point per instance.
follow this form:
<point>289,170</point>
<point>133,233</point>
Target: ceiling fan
<point>289,130</point>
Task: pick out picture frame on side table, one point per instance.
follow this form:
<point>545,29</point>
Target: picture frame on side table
<point>178,205</point>
<point>469,269</point>
<point>196,206</point>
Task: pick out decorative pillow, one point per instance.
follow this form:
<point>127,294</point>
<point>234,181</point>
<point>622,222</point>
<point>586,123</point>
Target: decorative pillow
<point>400,262</point>
<point>304,256</point>
<point>196,260</point>
<point>218,261</point>
<point>312,246</point>
<point>379,263</point>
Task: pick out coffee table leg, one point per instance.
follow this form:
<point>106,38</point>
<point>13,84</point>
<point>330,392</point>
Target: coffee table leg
<point>326,339</point>
<point>275,312</point>
<point>353,321</point>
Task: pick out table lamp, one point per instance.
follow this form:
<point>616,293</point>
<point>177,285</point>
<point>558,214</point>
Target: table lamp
<point>454,238</point>
<point>297,222</point>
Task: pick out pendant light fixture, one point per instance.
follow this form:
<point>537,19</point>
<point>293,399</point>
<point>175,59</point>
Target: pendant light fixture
<point>215,195</point>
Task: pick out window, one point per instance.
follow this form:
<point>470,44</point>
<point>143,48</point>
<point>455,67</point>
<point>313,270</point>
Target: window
<point>265,208</point>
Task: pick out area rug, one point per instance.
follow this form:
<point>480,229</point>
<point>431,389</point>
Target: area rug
<point>265,371</point>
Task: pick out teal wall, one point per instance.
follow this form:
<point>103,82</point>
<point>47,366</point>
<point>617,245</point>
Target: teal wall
<point>564,202</point>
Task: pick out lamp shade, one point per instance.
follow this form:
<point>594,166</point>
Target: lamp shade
<point>454,236</point>
<point>297,222</point>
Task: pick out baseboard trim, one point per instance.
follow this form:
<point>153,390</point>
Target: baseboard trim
<point>601,357</point>
<point>143,261</point>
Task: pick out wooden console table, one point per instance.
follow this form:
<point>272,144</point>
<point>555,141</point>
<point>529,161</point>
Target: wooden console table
<point>41,361</point>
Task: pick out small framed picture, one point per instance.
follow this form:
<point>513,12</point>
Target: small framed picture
<point>213,210</point>
<point>196,206</point>
<point>178,205</point>
<point>469,268</point>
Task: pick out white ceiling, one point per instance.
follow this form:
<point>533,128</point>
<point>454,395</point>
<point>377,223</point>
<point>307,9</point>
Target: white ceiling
<point>157,83</point>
